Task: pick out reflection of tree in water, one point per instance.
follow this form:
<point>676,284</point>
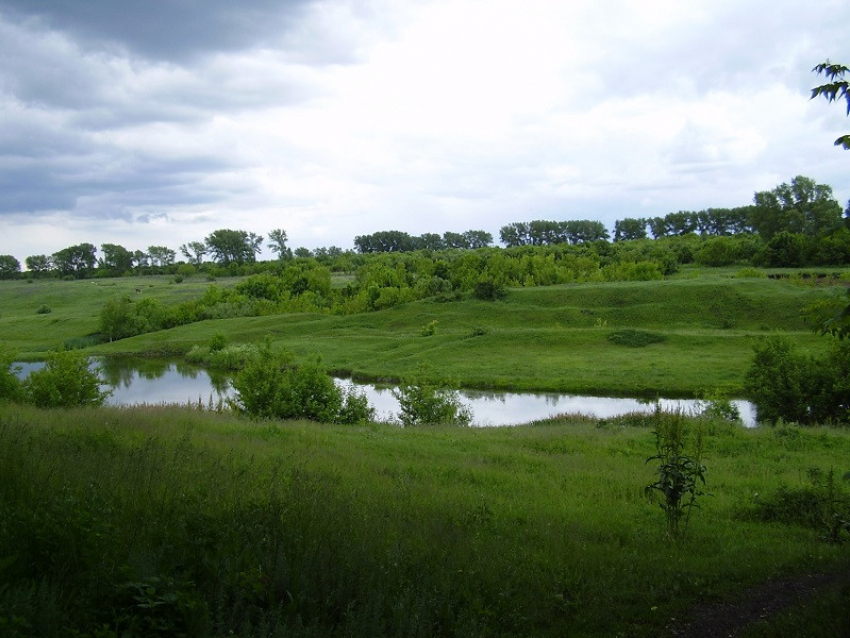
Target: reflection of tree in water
<point>115,372</point>
<point>186,371</point>
<point>220,381</point>
<point>503,397</point>
<point>150,369</point>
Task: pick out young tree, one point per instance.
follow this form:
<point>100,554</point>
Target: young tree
<point>66,381</point>
<point>836,89</point>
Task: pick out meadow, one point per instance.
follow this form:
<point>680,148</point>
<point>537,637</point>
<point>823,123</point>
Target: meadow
<point>174,521</point>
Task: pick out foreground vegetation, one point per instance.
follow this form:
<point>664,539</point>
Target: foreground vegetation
<point>170,521</point>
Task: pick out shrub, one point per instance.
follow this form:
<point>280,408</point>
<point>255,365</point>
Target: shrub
<point>43,310</point>
<point>66,381</point>
<point>10,385</point>
<point>271,386</point>
<point>488,290</point>
<point>635,338</point>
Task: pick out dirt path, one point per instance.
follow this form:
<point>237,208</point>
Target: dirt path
<point>729,619</point>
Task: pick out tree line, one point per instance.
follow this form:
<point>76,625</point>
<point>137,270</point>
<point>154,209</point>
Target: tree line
<point>793,221</point>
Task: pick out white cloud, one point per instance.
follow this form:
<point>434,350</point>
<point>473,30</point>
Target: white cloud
<point>347,118</point>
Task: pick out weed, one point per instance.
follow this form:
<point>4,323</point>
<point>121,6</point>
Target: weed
<point>430,329</point>
<point>680,475</point>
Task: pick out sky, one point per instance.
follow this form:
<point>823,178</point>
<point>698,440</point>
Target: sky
<point>158,122</point>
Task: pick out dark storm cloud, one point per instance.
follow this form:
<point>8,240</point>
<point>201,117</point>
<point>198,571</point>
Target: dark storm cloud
<point>165,29</point>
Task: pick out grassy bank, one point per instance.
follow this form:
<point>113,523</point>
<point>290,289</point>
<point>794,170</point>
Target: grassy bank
<point>553,338</point>
<point>161,521</point>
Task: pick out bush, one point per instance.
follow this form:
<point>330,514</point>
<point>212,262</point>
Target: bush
<point>635,338</point>
<point>66,381</point>
<point>788,386</point>
<point>10,385</point>
<point>43,310</point>
<point>271,386</point>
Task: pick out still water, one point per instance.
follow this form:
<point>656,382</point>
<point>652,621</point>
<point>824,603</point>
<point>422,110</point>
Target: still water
<point>155,382</point>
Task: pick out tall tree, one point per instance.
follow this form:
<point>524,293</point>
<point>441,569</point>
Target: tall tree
<point>161,256</point>
<point>116,259</point>
<point>39,265</point>
<point>77,261</point>
<point>803,207</point>
<point>233,246</point>
<point>194,251</point>
<point>9,267</point>
<point>278,240</point>
<point>836,89</point>
<point>629,228</point>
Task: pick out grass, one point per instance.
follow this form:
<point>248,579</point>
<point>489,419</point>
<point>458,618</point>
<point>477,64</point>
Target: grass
<point>548,339</point>
<point>116,520</point>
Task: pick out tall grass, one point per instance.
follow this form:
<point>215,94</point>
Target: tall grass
<point>167,521</point>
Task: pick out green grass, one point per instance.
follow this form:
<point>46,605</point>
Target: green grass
<point>552,338</point>
<point>300,529</point>
<point>548,339</point>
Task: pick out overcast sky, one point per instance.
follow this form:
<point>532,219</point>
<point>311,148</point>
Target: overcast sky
<point>158,122</point>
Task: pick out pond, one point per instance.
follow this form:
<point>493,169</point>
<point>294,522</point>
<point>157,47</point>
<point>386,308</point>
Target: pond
<point>155,382</point>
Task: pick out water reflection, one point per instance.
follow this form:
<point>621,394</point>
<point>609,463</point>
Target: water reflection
<point>156,381</point>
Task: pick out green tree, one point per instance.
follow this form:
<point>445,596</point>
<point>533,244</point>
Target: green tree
<point>65,381</point>
<point>803,207</point>
<point>116,259</point>
<point>233,246</point>
<point>422,403</point>
<point>76,261</point>
<point>161,256</point>
<point>9,267</point>
<point>836,89</point>
<point>194,251</point>
<point>630,228</point>
<point>278,240</point>
<point>39,265</point>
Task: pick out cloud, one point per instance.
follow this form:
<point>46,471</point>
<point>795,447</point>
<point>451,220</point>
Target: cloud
<point>337,118</point>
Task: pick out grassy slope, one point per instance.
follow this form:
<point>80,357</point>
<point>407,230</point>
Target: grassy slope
<point>504,531</point>
<point>544,338</point>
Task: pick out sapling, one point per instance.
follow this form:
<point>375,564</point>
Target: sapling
<point>680,475</point>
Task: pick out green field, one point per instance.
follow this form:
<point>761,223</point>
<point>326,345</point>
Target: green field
<point>548,338</point>
<point>172,521</point>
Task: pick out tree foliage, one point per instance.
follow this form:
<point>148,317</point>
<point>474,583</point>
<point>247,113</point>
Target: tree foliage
<point>835,89</point>
<point>65,381</point>
<point>803,207</point>
<point>9,267</point>
<point>233,246</point>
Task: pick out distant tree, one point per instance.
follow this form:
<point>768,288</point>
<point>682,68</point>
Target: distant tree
<point>116,259</point>
<point>233,246</point>
<point>429,241</point>
<point>681,223</point>
<point>477,239</point>
<point>278,240</point>
<point>141,259</point>
<point>802,207</point>
<point>515,234</point>
<point>9,267</point>
<point>385,242</point>
<point>194,252</point>
<point>39,265</point>
<point>161,256</point>
<point>303,253</point>
<point>453,240</point>
<point>837,89</point>
<point>77,261</point>
<point>630,228</point>
<point>658,227</point>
